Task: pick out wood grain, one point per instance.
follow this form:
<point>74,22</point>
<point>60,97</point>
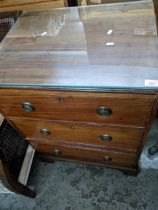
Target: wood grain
<point>150,121</point>
<point>113,48</point>
<point>11,183</point>
<point>5,3</point>
<point>40,71</point>
<point>40,51</point>
<point>123,138</point>
<point>127,109</point>
<point>29,5</point>
<point>90,155</point>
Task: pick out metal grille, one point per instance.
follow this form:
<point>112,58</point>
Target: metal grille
<point>13,148</point>
<point>5,26</point>
<point>7,20</point>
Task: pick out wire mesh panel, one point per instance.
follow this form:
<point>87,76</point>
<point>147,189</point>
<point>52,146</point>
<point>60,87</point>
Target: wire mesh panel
<point>7,20</point>
<point>13,147</point>
<point>5,26</point>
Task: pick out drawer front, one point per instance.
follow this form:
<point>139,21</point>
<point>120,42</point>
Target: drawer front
<point>93,134</point>
<point>4,3</point>
<point>128,109</point>
<point>88,155</point>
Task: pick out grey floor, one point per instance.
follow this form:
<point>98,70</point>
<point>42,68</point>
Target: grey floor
<point>71,186</point>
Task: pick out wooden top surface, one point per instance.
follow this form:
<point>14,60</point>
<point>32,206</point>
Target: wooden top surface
<point>105,46</point>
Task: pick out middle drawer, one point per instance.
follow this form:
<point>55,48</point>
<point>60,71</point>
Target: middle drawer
<point>124,138</point>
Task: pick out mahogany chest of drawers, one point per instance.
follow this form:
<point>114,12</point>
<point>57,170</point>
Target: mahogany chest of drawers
<point>89,95</point>
<point>104,128</point>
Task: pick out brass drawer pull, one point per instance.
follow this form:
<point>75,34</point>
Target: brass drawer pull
<point>107,158</point>
<point>104,111</point>
<point>28,107</point>
<point>56,152</point>
<point>106,137</point>
<point>44,131</point>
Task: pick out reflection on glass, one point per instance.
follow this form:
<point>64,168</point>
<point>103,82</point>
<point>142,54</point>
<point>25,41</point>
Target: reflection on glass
<point>47,25</point>
<point>110,44</point>
<point>93,43</point>
<point>109,32</point>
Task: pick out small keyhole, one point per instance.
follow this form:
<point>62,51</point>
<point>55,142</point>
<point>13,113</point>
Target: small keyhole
<point>61,99</point>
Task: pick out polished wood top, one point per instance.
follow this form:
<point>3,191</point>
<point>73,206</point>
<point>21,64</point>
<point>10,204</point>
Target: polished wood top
<point>105,46</point>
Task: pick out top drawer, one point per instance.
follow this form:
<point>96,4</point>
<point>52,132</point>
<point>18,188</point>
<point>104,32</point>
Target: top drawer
<point>111,108</point>
<point>4,3</point>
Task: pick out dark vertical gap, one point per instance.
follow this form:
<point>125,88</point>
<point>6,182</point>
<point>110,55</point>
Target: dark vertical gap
<point>156,10</point>
<point>72,3</point>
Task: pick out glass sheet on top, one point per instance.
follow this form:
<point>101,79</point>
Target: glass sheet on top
<point>104,46</point>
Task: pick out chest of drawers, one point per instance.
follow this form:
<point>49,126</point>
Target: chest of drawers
<point>103,128</point>
<point>75,97</point>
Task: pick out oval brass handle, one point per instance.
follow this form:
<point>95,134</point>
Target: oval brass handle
<point>44,131</point>
<point>56,152</point>
<point>28,107</point>
<point>107,158</point>
<point>104,111</point>
<point>105,137</point>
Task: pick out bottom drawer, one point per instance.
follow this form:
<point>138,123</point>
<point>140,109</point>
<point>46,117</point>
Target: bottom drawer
<point>113,158</point>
